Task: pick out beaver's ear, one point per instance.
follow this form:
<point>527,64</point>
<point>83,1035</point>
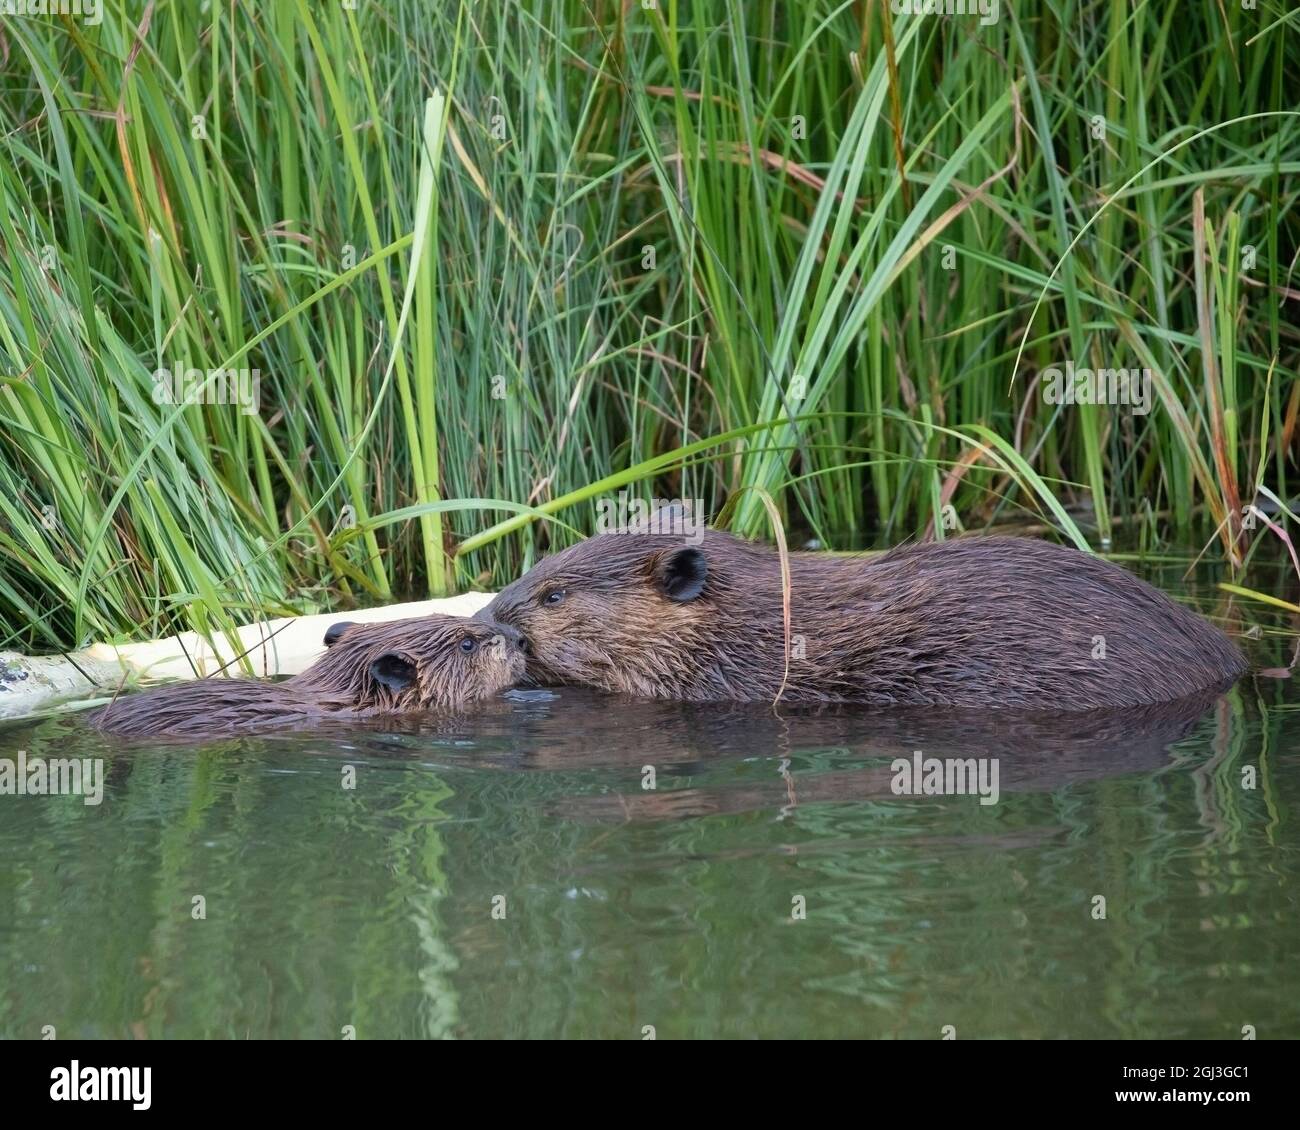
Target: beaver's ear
<point>681,574</point>
<point>335,631</point>
<point>393,672</point>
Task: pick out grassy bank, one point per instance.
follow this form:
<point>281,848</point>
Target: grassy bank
<point>524,255</point>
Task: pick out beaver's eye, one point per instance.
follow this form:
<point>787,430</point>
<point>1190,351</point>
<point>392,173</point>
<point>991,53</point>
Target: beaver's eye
<point>554,596</point>
<point>467,645</point>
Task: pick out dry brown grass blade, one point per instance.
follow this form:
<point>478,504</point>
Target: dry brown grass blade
<point>783,552</point>
<point>935,228</point>
<point>123,146</point>
<point>741,154</point>
<point>1210,369</point>
<point>895,102</point>
<point>1289,421</point>
<point>952,480</point>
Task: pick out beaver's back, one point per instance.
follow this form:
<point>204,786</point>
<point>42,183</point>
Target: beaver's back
<point>214,708</point>
<point>1002,621</point>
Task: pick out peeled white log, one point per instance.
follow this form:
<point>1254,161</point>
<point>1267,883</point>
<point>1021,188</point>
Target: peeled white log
<point>273,647</point>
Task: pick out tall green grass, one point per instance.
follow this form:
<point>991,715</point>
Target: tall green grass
<point>496,260</point>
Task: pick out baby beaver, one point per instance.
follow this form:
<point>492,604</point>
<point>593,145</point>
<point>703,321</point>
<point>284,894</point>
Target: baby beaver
<point>430,663</point>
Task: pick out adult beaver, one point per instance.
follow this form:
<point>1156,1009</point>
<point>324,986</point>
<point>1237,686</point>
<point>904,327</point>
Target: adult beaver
<point>430,663</point>
<point>974,622</point>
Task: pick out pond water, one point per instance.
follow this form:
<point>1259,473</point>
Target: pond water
<point>511,875</point>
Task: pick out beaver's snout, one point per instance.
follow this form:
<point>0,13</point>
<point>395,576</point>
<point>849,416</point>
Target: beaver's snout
<point>513,636</point>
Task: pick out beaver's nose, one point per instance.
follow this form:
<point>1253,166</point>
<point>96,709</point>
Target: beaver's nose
<point>513,636</point>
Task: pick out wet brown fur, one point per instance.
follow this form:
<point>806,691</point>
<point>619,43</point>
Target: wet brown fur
<point>342,685</point>
<point>973,622</point>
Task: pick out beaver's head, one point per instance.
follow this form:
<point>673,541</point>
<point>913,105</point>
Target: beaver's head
<point>431,663</point>
<point>427,663</point>
<point>622,611</point>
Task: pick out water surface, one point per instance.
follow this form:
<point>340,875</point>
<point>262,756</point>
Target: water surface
<point>508,875</point>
